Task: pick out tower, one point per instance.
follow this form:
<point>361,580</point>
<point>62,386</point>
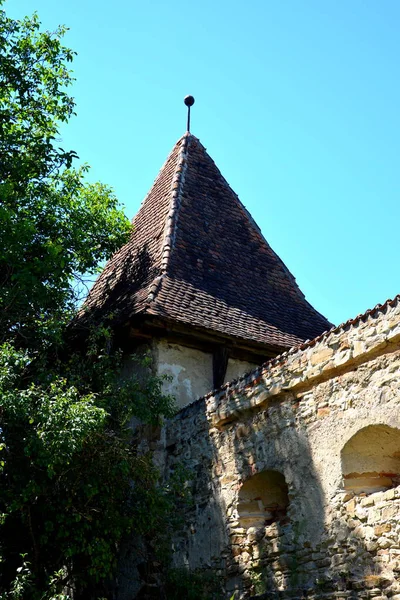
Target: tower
<point>198,283</point>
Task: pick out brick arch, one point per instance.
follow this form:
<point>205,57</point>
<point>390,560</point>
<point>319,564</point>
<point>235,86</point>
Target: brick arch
<point>263,498</point>
<point>370,460</point>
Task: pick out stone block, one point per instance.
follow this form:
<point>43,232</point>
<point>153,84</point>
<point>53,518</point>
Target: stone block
<point>236,550</point>
<point>346,497</point>
<point>377,496</point>
<point>384,528</point>
<point>245,557</point>
<point>361,513</point>
<point>351,507</point>
<point>237,540</point>
<point>323,412</point>
<point>368,501</point>
<point>342,357</point>
<point>371,545</point>
<point>374,515</point>
<point>321,356</point>
<point>358,348</point>
<point>390,512</point>
<point>353,523</point>
<point>363,531</point>
<point>390,494</point>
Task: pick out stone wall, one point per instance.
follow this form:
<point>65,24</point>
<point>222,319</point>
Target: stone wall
<point>295,470</point>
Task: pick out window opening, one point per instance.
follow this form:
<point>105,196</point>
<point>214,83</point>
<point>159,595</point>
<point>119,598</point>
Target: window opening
<point>263,499</point>
<point>371,460</point>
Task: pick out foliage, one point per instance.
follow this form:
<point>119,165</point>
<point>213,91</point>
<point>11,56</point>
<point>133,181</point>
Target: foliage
<point>72,480</point>
<point>53,226</point>
<point>67,467</point>
<point>193,585</point>
<point>257,578</point>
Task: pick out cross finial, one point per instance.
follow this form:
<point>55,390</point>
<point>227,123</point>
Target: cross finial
<point>189,101</point>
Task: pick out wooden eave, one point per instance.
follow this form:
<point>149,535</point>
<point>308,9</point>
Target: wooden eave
<point>142,328</point>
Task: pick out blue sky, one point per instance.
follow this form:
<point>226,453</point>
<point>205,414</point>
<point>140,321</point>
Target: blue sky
<point>296,101</point>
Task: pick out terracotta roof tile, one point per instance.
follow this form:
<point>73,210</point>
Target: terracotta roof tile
<point>197,257</point>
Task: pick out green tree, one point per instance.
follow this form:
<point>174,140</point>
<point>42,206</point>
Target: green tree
<point>72,481</point>
<point>54,227</point>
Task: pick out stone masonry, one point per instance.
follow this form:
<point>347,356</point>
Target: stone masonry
<point>295,469</point>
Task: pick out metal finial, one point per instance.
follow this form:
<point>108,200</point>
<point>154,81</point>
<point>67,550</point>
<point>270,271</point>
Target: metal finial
<point>189,101</point>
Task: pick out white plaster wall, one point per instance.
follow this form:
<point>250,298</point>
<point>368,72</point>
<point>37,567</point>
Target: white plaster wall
<point>191,371</point>
<point>236,368</point>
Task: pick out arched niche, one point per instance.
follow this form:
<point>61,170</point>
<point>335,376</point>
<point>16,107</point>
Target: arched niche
<point>263,499</point>
<point>371,460</point>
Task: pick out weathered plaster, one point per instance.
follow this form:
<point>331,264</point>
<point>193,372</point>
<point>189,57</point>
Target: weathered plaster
<point>236,368</point>
<point>190,370</point>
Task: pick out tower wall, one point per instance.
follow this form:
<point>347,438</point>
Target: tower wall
<point>190,371</point>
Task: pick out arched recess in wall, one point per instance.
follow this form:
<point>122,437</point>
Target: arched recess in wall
<point>263,499</point>
<point>371,460</point>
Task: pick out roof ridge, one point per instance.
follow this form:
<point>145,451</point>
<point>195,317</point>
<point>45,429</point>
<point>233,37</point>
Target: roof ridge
<point>259,232</point>
<point>177,182</point>
<point>255,226</point>
<point>155,181</point>
<point>257,229</point>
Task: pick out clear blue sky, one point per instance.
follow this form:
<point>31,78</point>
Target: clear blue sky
<point>297,101</point>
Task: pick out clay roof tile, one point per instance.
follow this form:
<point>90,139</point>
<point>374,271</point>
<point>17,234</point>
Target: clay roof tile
<point>197,257</point>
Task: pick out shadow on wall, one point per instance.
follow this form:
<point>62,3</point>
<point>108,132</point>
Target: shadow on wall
<point>274,468</point>
<point>260,517</point>
<point>200,544</point>
<point>286,538</point>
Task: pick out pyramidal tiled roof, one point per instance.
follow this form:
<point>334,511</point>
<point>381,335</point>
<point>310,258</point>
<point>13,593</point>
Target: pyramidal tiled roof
<point>196,257</point>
